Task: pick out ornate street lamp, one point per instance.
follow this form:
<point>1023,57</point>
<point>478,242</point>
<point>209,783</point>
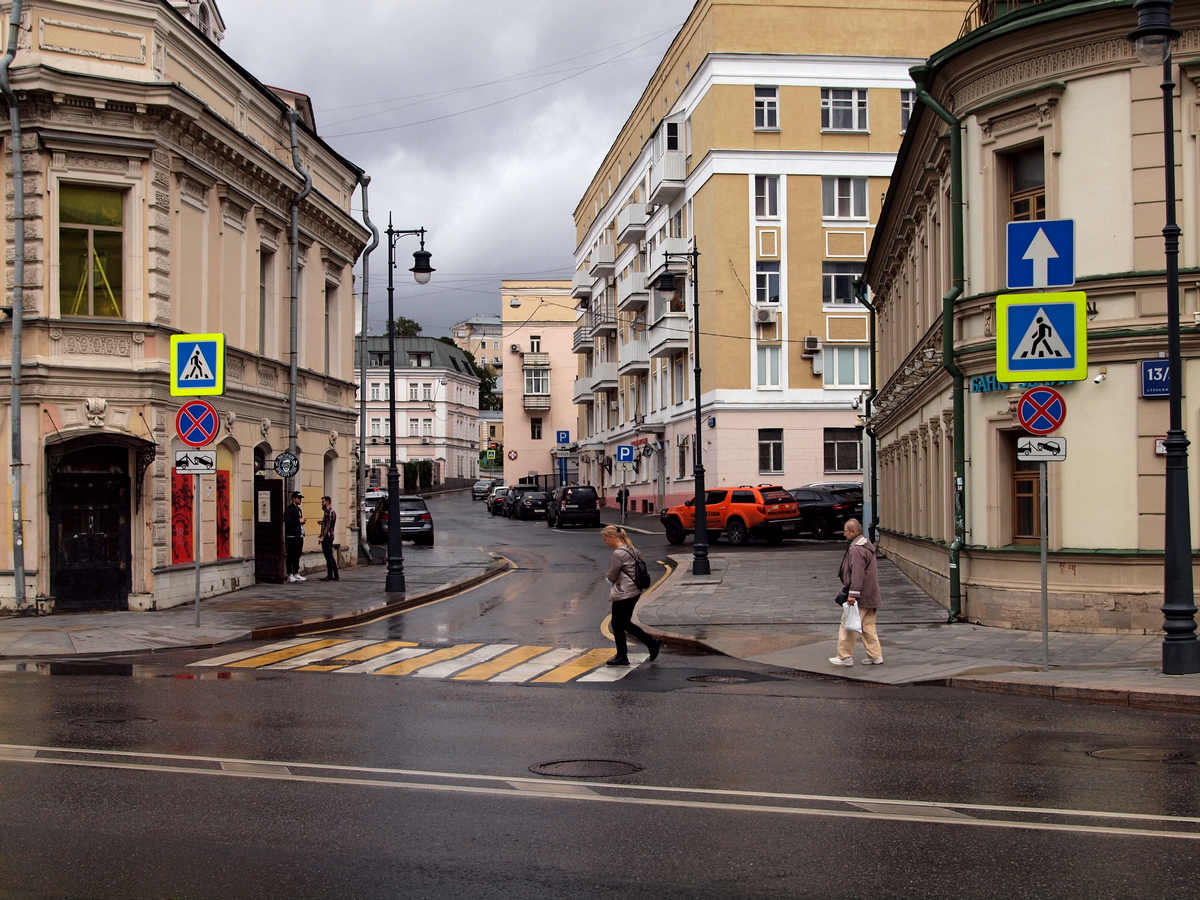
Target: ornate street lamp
<point>1180,651</point>
<point>421,270</point>
<point>666,282</point>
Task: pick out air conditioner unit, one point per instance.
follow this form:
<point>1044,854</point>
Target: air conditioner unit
<point>614,405</point>
<point>374,440</point>
<point>764,316</point>
<point>426,440</point>
<point>515,348</point>
<point>812,344</point>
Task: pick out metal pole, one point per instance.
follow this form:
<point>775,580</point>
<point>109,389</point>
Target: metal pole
<point>1042,515</point>
<point>1180,650</point>
<point>294,321</point>
<point>196,514</point>
<point>700,564</point>
<point>361,492</point>
<point>394,583</point>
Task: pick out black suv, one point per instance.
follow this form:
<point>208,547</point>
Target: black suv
<point>824,511</point>
<point>574,504</point>
<point>514,495</point>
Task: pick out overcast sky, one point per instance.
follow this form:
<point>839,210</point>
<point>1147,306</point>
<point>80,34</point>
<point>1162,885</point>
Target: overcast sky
<point>481,121</point>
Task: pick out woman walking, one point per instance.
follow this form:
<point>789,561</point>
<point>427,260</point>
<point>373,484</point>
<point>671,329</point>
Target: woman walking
<point>624,594</point>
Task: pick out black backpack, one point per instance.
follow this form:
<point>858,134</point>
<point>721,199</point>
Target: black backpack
<point>641,573</point>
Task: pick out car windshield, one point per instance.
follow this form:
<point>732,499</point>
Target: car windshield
<point>777,497</point>
<point>413,503</point>
<point>483,484</point>
<point>535,495</point>
<point>581,493</point>
<point>848,494</point>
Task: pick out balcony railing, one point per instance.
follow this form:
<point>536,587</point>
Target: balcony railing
<point>602,260</point>
<point>582,340</point>
<point>537,401</point>
<point>631,223</point>
<point>581,286</point>
<point>658,259</point>
<point>631,291</point>
<point>535,360</point>
<point>604,376</point>
<point>663,304</point>
<point>668,336</point>
<point>602,316</point>
<point>667,176</point>
<point>634,356</point>
<point>984,12</point>
<point>584,390</point>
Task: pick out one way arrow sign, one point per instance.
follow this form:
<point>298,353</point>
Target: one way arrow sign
<point>1041,254</point>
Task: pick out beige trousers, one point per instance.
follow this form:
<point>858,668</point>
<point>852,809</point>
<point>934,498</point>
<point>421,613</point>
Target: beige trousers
<point>870,638</point>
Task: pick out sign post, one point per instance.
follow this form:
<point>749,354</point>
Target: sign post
<point>197,424</point>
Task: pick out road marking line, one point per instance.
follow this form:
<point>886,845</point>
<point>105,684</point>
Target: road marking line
<point>374,665</point>
<point>496,666</point>
<point>436,656</point>
<point>266,659</point>
<point>526,671</point>
<point>579,666</point>
<point>373,651</point>
<point>316,655</point>
<point>606,627</point>
<point>446,669</point>
<point>616,673</point>
<point>246,654</point>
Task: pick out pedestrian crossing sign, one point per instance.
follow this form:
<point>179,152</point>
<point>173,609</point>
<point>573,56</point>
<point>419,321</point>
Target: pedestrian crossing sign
<point>197,365</point>
<point>1041,337</point>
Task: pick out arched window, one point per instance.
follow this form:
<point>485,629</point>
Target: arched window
<point>205,28</point>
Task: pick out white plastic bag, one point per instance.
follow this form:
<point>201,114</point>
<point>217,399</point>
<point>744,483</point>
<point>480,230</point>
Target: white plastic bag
<point>851,618</point>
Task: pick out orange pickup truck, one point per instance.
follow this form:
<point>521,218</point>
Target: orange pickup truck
<point>766,511</point>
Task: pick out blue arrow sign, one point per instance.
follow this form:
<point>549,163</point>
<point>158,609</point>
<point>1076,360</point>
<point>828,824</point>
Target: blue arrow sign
<point>625,453</point>
<point>1041,253</point>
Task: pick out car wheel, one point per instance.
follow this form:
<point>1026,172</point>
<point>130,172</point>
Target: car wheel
<point>736,531</point>
<point>820,528</point>
<point>674,530</point>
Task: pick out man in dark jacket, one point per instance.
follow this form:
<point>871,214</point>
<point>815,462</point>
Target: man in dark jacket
<point>293,534</point>
<point>328,525</point>
<point>860,577</point>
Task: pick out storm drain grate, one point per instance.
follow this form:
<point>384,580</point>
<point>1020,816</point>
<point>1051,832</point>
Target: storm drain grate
<point>102,720</point>
<point>720,679</point>
<point>585,768</point>
<point>1142,754</point>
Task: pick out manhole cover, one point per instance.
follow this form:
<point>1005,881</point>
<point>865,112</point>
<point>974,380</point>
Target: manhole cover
<point>585,768</point>
<point>135,720</point>
<point>720,679</point>
<point>1141,754</point>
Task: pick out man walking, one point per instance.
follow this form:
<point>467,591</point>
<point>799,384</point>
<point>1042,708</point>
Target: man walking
<point>860,578</point>
<point>293,534</point>
<point>328,522</point>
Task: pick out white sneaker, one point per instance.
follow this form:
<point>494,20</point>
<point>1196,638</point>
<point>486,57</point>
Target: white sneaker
<point>291,579</point>
<point>301,578</point>
<point>838,661</point>
<point>872,661</point>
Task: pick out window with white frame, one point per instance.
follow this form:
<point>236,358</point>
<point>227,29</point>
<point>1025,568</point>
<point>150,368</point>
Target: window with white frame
<point>537,381</point>
<point>376,427</point>
<point>375,390</point>
<point>768,365</point>
<point>387,426</point>
<point>535,429</point>
<point>766,108</point>
<point>91,252</point>
<point>770,451</point>
<point>413,390</point>
<point>414,427</point>
<point>843,450</point>
<point>843,197</point>
<point>766,196</point>
<point>683,460</point>
<point>535,343</point>
<point>672,135</point>
<point>843,109</point>
<point>847,367</point>
<point>908,100</point>
<point>427,391</point>
<point>766,282</point>
<point>677,395</point>
<point>837,281</point>
<point>427,427</point>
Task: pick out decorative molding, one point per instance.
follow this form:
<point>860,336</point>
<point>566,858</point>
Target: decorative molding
<point>235,367</point>
<point>97,409</point>
<point>333,393</point>
<point>94,345</point>
<point>333,436</point>
<point>48,44</point>
<point>264,427</point>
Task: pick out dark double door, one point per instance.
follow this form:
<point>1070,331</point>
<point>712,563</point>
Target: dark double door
<point>90,557</point>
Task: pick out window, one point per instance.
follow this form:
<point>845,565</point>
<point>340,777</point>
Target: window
<point>843,449</point>
<point>843,110</point>
<point>491,431</point>
<point>683,459</point>
<point>677,378</point>
<point>330,323</point>
<point>908,99</point>
<point>495,345</point>
<point>413,389</point>
<point>768,366</point>
<point>843,198</point>
<point>376,428</point>
<point>537,381</point>
<point>766,282</point>
<point>427,391</point>
<point>1027,184</point>
<point>427,427</point>
<point>374,390</point>
<point>420,360</point>
<point>1026,502</point>
<point>770,450</point>
<point>414,427</point>
<point>766,108</point>
<point>90,252</point>
<point>266,282</point>
<point>535,429</point>
<point>535,343</point>
<point>847,367</point>
<point>672,129</point>
<point>838,281</point>
<point>766,196</point>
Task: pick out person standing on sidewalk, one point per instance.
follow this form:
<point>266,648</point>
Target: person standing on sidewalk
<point>328,523</point>
<point>860,577</point>
<point>624,594</point>
<point>293,535</point>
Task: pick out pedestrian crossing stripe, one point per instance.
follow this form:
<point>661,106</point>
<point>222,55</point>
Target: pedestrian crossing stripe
<point>500,663</point>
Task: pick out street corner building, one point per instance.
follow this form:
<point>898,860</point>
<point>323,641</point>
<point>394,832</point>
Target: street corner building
<point>764,143</point>
<point>158,191</point>
<point>1057,120</point>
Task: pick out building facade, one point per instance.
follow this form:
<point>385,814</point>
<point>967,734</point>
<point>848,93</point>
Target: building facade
<point>539,323</point>
<point>158,183</point>
<point>480,336</point>
<point>1053,105</point>
<point>764,142</point>
<point>437,409</point>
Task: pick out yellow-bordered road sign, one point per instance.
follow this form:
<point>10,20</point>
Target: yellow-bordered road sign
<point>197,364</point>
<point>1041,337</point>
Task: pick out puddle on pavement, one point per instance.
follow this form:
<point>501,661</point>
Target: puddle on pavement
<point>102,669</point>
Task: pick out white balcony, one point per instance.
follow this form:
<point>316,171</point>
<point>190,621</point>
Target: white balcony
<point>581,286</point>
<point>584,390</point>
<point>537,401</point>
<point>667,177</point>
<point>631,223</point>
<point>602,261</point>
<point>604,376</point>
<point>634,356</point>
<point>658,259</point>
<point>631,291</point>
<point>535,360</point>
<point>602,317</point>
<point>582,341</point>
<point>668,336</point>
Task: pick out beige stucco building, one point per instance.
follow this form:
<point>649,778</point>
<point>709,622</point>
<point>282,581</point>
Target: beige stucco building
<point>158,184</point>
<point>1059,121</point>
<point>764,140</point>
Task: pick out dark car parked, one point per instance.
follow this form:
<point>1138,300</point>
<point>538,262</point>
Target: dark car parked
<point>515,493</point>
<point>530,505</point>
<point>480,490</point>
<point>495,500</point>
<point>416,522</point>
<point>574,504</point>
<point>823,512</point>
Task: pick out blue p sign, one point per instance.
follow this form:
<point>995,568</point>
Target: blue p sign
<point>625,453</point>
<point>562,437</point>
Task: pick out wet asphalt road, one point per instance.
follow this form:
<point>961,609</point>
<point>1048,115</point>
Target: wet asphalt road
<point>313,785</point>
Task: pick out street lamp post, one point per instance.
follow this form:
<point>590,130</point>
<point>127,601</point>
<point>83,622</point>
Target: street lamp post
<point>700,564</point>
<point>421,270</point>
<point>1180,651</point>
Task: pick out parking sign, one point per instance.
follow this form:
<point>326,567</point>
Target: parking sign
<point>625,453</point>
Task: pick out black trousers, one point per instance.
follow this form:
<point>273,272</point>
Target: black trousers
<point>622,622</point>
<point>331,569</point>
<point>295,545</point>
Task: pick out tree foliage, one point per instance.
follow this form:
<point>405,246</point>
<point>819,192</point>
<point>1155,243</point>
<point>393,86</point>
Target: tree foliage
<point>403,327</point>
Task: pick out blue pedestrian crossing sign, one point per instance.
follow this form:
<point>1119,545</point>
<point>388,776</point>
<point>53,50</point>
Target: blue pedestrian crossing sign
<point>625,453</point>
<point>1041,337</point>
<point>1041,254</point>
<point>197,365</point>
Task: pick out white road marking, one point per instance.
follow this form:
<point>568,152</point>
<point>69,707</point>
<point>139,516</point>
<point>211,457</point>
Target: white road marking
<point>615,673</point>
<point>307,659</point>
<point>374,665</point>
<point>246,654</point>
<point>474,658</point>
<point>536,667</point>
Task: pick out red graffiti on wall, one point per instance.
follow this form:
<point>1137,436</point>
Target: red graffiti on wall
<point>223,515</point>
<point>182,513</point>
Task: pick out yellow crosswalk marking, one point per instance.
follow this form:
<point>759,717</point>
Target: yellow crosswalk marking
<point>577,666</point>
<point>287,653</point>
<point>486,670</point>
<point>419,662</point>
<point>374,650</point>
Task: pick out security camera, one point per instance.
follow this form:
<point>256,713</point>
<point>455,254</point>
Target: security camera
<point>854,404</point>
<point>1101,377</point>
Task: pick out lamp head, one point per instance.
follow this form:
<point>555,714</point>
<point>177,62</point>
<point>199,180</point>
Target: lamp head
<point>666,282</point>
<point>1153,35</point>
<point>421,269</point>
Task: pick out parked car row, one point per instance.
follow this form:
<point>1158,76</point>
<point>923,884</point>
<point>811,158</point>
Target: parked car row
<point>575,504</point>
<point>768,511</point>
<point>416,521</point>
